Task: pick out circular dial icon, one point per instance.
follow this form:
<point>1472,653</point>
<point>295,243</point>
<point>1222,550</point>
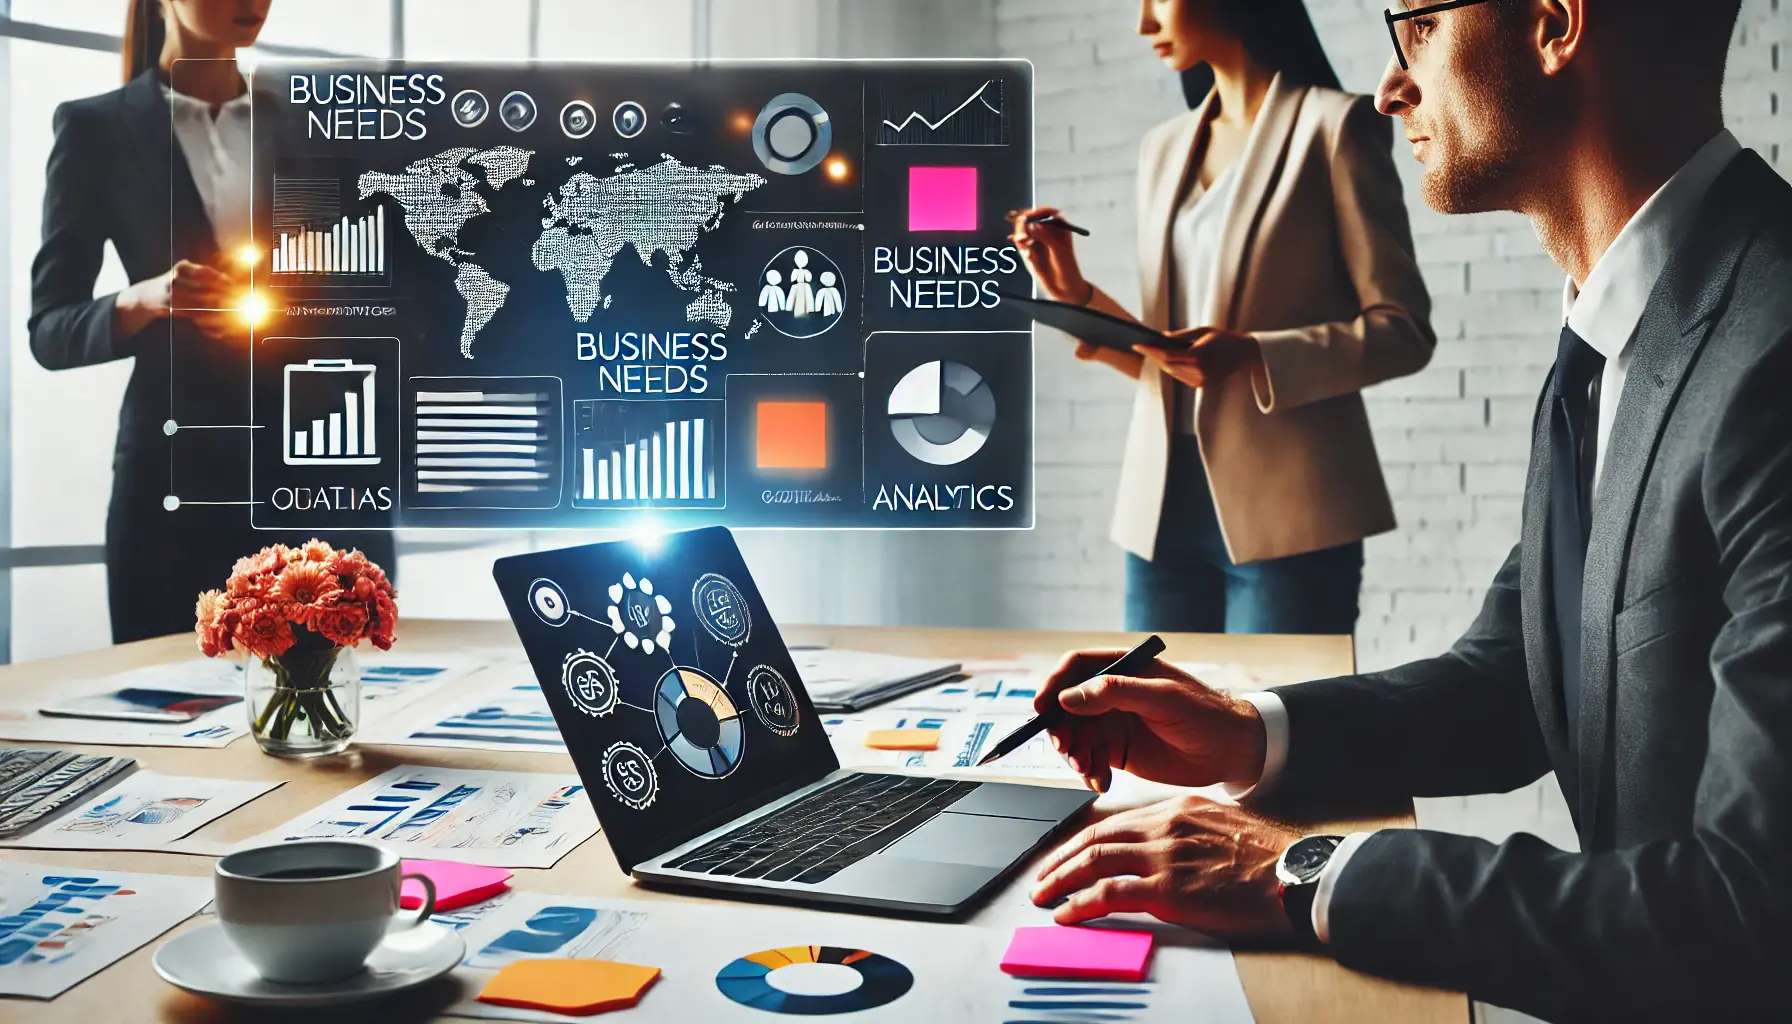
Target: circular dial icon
<point>772,700</point>
<point>629,776</point>
<point>640,617</point>
<point>517,111</point>
<point>577,119</point>
<point>590,683</point>
<point>548,602</point>
<point>629,119</point>
<point>792,134</point>
<point>722,610</point>
<point>470,108</point>
<point>698,721</point>
<point>942,412</point>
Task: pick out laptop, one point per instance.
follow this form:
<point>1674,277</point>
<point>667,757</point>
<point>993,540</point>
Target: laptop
<point>705,759</point>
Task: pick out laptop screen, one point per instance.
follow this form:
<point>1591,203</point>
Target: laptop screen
<point>668,679</point>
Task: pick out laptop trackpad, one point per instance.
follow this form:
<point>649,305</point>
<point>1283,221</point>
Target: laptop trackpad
<point>971,839</point>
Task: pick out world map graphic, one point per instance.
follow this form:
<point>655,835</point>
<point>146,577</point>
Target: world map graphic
<point>666,207</point>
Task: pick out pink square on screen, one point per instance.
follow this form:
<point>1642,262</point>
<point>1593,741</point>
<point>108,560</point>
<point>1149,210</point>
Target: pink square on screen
<point>942,198</point>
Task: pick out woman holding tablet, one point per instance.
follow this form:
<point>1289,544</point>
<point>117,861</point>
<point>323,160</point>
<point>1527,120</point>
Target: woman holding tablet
<point>1274,244</point>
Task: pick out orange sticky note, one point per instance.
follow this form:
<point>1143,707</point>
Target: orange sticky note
<point>903,739</point>
<point>576,987</point>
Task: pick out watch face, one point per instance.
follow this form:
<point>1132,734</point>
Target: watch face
<point>1303,861</point>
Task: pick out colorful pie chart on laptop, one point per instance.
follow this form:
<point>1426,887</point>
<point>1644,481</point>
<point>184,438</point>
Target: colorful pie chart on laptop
<point>698,721</point>
<point>750,980</point>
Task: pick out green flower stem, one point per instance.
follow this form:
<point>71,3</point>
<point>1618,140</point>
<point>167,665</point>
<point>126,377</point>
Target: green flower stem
<point>302,693</point>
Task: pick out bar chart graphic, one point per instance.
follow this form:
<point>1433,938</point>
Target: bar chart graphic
<point>329,413</point>
<point>313,238</point>
<point>648,454</point>
<point>487,442</point>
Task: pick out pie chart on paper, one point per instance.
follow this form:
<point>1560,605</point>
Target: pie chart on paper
<point>942,412</point>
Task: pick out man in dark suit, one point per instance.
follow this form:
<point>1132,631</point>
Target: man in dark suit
<point>1637,642</point>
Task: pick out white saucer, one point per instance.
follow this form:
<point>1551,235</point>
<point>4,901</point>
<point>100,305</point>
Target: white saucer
<point>206,962</point>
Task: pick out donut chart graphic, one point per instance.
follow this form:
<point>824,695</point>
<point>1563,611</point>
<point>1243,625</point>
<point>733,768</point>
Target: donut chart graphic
<point>698,721</point>
<point>882,980</point>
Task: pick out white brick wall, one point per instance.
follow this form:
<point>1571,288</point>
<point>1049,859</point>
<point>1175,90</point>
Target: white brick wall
<point>1453,439</point>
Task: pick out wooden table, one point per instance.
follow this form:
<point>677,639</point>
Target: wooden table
<point>1282,987</point>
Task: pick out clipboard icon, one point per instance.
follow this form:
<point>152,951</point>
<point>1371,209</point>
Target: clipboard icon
<point>329,413</point>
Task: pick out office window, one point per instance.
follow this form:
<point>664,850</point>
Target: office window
<point>362,27</point>
<point>85,15</point>
<point>615,29</point>
<point>466,29</point>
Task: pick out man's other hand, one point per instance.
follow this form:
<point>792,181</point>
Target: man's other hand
<point>1188,861</point>
<point>1166,726</point>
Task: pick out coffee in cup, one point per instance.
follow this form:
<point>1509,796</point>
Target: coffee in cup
<point>311,911</point>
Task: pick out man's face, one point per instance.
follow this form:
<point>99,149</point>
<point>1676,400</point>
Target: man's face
<point>1473,105</point>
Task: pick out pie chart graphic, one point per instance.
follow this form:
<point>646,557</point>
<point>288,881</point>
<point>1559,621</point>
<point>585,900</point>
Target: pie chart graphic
<point>698,721</point>
<point>881,980</point>
<point>942,412</point>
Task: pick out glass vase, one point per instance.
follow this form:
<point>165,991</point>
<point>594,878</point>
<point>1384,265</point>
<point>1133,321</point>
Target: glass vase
<point>306,702</point>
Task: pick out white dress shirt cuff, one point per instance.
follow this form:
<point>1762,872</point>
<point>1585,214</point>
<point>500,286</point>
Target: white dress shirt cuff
<point>1275,747</point>
<point>1328,881</point>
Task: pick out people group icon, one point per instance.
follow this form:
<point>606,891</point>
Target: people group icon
<point>814,298</point>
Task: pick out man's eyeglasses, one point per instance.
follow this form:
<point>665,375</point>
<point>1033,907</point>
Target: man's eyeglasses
<point>1397,24</point>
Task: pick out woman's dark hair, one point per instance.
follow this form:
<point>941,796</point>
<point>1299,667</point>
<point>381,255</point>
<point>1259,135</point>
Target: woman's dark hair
<point>1277,34</point>
<point>144,34</point>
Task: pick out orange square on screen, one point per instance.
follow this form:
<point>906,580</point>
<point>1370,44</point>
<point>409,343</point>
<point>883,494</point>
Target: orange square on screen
<point>792,435</point>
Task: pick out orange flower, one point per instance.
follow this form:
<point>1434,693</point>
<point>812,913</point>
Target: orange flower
<point>266,631</point>
<point>316,550</point>
<point>205,612</point>
<point>307,588</point>
<point>344,624</point>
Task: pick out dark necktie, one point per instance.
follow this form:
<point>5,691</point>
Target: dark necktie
<point>1571,454</point>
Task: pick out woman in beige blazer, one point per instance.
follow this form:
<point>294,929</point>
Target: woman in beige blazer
<point>1273,236</point>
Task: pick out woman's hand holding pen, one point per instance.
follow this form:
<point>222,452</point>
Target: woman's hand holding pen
<point>201,294</point>
<point>1213,354</point>
<point>1048,249</point>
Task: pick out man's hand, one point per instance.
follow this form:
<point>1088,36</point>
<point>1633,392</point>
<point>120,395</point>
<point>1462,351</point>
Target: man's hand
<point>1213,354</point>
<point>1168,726</point>
<point>1188,861</point>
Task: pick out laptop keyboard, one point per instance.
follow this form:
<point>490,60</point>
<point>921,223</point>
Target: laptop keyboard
<point>815,837</point>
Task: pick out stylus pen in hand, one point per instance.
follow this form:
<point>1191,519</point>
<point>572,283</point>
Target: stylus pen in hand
<point>1131,663</point>
<point>1052,219</point>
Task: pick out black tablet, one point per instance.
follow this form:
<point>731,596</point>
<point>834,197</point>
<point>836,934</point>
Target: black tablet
<point>1091,325</point>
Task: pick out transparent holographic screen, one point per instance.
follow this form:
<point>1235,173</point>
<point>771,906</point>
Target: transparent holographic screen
<point>756,294</point>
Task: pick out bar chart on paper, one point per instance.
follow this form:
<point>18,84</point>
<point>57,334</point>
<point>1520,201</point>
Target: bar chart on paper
<point>487,442</point>
<point>313,238</point>
<point>648,454</point>
<point>329,413</point>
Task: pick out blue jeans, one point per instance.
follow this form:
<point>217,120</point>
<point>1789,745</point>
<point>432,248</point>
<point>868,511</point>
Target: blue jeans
<point>1191,585</point>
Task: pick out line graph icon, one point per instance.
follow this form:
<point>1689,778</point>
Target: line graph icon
<point>936,113</point>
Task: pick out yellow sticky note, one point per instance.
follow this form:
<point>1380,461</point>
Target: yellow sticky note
<point>576,987</point>
<point>903,739</point>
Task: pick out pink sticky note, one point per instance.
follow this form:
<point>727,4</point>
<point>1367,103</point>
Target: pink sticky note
<point>942,198</point>
<point>457,885</point>
<point>1056,952</point>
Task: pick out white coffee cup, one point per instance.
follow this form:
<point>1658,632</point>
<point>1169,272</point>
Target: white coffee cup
<point>308,912</point>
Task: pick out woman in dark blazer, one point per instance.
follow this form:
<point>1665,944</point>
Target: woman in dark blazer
<point>121,172</point>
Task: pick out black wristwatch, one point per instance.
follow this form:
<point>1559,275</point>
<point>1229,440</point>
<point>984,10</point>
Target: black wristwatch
<point>1298,870</point>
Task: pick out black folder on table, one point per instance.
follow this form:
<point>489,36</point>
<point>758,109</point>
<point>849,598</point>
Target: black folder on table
<point>1090,325</point>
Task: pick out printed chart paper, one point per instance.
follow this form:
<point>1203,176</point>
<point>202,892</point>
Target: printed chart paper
<point>145,811</point>
<point>506,712</point>
<point>390,682</point>
<point>198,675</point>
<point>719,961</point>
<point>58,926</point>
<point>972,715</point>
<point>498,819</point>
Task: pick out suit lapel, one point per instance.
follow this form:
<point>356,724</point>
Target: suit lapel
<point>1178,157</point>
<point>1259,169</point>
<point>163,170</point>
<point>1537,605</point>
<point>1675,327</point>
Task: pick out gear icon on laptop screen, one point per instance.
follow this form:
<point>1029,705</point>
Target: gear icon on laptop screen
<point>639,616</point>
<point>629,776</point>
<point>590,683</point>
